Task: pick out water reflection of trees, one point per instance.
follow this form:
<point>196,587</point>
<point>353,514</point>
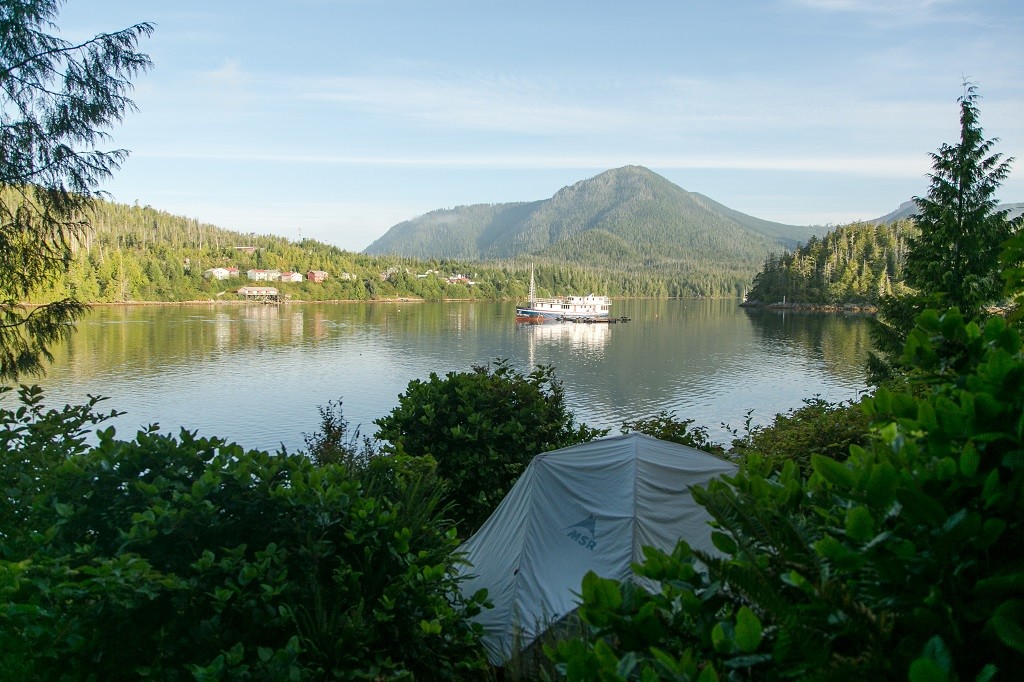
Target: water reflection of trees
<point>671,352</point>
<point>705,359</point>
<point>840,340</point>
<point>146,339</point>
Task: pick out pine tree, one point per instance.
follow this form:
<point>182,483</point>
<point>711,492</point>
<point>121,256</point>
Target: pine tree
<point>956,256</point>
<point>57,100</point>
<point>954,262</point>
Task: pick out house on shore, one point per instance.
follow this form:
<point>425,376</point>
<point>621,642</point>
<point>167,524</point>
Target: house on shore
<point>316,276</point>
<point>262,294</point>
<point>264,275</point>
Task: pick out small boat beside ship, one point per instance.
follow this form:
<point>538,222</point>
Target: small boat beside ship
<point>574,308</point>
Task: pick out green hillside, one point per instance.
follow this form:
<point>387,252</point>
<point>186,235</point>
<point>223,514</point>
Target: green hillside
<point>627,218</point>
<point>852,264</point>
<point>462,232</point>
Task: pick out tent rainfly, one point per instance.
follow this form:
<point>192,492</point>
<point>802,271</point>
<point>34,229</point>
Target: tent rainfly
<point>589,507</point>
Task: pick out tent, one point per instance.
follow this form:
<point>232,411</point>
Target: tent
<point>589,507</point>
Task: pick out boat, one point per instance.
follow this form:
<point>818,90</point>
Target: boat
<point>575,308</point>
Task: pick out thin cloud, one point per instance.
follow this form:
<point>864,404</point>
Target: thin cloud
<point>904,7</point>
<point>885,166</point>
<point>502,104</point>
<point>652,108</point>
<point>228,75</point>
<point>901,13</point>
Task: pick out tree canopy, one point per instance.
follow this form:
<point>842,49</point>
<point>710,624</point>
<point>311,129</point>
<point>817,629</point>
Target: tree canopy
<point>482,428</point>
<point>854,264</point>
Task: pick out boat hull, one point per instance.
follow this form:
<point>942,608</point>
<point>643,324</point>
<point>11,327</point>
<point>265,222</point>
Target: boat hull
<point>530,314</point>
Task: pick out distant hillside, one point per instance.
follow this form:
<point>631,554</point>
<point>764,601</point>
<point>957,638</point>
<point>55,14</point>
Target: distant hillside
<point>133,253</point>
<point>852,264</point>
<point>624,218</point>
<point>908,208</point>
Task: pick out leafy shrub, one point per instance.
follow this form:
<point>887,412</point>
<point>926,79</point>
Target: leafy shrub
<point>666,426</point>
<point>335,442</point>
<point>181,558</point>
<point>904,562</point>
<point>819,427</point>
<point>482,428</point>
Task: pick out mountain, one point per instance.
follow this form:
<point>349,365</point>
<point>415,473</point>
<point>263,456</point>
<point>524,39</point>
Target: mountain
<point>905,211</point>
<point>624,217</point>
<point>908,208</point>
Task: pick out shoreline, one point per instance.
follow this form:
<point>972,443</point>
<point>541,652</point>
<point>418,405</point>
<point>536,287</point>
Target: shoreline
<point>863,309</point>
<point>214,302</point>
<point>398,299</point>
<point>848,308</point>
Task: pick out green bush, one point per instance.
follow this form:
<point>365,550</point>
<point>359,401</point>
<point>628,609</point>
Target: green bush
<point>666,426</point>
<point>482,428</point>
<point>335,442</point>
<point>819,427</point>
<point>904,562</point>
<point>191,558</point>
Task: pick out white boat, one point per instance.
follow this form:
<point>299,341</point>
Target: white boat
<point>563,307</point>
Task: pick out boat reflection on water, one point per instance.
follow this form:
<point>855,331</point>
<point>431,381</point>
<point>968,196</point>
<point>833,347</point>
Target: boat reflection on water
<point>579,339</point>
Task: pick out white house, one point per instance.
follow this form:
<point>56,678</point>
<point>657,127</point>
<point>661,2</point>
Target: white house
<point>264,275</point>
<point>217,273</point>
<point>291,276</point>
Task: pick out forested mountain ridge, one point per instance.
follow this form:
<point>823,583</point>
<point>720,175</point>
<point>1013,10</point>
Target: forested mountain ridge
<point>138,253</point>
<point>626,217</point>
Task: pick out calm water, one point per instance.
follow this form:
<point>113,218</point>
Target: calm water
<point>256,374</point>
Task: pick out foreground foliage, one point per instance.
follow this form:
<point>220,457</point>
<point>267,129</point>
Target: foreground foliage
<point>190,558</point>
<point>667,426</point>
<point>482,428</point>
<point>903,562</point>
<point>817,428</point>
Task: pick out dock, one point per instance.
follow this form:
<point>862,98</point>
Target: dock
<point>593,320</point>
<point>261,294</point>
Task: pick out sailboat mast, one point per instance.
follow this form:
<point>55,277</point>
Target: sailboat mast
<point>533,288</point>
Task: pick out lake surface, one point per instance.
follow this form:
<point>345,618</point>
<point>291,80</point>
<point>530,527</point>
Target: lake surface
<point>255,374</point>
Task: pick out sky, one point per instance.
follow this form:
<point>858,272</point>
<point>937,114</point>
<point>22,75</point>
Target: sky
<point>337,119</point>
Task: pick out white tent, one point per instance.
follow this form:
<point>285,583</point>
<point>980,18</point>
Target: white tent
<point>589,507</point>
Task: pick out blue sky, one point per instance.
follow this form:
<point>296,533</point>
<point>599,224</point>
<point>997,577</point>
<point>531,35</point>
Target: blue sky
<point>336,119</point>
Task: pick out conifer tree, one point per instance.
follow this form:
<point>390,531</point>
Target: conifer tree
<point>57,101</point>
<point>956,255</point>
<point>954,262</point>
